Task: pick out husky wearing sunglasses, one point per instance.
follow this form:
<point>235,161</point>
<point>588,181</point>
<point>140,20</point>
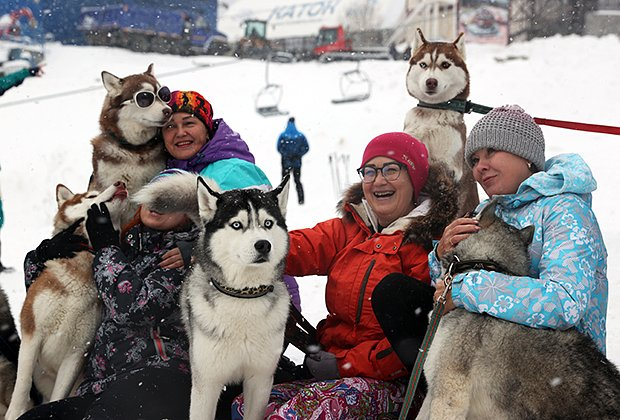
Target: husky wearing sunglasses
<point>129,148</point>
<point>482,367</point>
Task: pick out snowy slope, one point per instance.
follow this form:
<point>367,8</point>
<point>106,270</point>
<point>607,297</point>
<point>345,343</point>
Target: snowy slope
<point>47,124</point>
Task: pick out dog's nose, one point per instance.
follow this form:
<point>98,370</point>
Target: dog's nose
<point>431,83</point>
<point>262,246</point>
<point>167,112</point>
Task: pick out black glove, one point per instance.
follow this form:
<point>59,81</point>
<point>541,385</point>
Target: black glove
<point>100,229</point>
<point>322,365</point>
<point>186,248</point>
<point>62,245</point>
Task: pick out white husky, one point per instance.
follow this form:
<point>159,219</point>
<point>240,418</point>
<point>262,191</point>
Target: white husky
<point>235,304</point>
<point>61,311</point>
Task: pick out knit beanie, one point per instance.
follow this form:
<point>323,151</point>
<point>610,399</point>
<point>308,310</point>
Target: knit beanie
<point>193,103</point>
<point>510,129</point>
<point>405,149</point>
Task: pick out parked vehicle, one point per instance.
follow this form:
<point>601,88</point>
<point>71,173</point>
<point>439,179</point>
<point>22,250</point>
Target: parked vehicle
<point>334,44</point>
<point>10,25</point>
<point>330,44</point>
<point>143,28</point>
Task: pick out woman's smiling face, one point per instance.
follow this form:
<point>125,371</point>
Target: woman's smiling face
<point>389,200</point>
<point>184,135</point>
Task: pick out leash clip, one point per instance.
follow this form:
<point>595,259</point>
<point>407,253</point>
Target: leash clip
<point>447,279</point>
<point>447,282</point>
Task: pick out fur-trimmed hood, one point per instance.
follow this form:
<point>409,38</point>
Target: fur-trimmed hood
<point>437,208</point>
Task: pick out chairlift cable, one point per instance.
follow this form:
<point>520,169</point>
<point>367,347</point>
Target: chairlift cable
<point>93,88</point>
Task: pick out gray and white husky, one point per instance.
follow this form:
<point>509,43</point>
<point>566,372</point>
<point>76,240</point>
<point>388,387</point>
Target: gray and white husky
<point>234,302</point>
<point>481,367</point>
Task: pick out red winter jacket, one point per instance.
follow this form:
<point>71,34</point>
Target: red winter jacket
<point>355,259</point>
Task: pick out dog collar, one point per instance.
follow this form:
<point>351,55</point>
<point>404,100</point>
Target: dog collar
<point>245,293</point>
<point>458,105</point>
<point>458,266</point>
<point>124,143</point>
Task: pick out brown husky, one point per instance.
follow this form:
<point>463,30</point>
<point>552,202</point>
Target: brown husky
<point>437,74</point>
<point>128,148</point>
<point>61,312</point>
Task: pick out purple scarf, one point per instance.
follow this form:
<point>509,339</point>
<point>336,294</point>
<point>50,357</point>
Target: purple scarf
<point>225,144</point>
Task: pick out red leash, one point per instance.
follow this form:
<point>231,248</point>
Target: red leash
<point>596,128</point>
<point>466,107</point>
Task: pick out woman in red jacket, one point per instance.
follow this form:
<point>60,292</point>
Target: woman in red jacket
<point>387,227</point>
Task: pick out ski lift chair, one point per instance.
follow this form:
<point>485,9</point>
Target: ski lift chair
<point>268,99</point>
<point>354,86</point>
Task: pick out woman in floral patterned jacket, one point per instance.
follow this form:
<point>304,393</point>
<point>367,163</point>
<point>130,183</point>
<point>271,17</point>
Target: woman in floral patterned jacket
<point>567,284</point>
<point>139,364</point>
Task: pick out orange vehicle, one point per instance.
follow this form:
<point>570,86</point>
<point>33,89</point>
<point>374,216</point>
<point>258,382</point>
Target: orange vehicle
<point>333,44</point>
<point>10,25</point>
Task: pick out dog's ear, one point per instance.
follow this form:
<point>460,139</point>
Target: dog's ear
<point>487,215</point>
<point>281,193</point>
<point>418,40</point>
<point>112,84</point>
<point>207,200</point>
<point>149,70</point>
<point>527,234</point>
<point>63,194</point>
<point>459,44</point>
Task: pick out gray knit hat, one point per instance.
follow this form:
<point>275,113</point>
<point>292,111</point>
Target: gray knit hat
<point>510,129</point>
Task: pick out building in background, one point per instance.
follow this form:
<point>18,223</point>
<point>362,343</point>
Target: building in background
<point>295,25</point>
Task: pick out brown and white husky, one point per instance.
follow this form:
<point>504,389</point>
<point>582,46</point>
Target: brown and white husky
<point>128,148</point>
<point>437,74</point>
<point>61,312</point>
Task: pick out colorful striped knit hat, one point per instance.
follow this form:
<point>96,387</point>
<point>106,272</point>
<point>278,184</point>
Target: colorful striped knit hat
<point>193,103</point>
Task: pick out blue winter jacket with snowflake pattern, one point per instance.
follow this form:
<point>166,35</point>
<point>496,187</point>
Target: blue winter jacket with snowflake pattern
<point>567,285</point>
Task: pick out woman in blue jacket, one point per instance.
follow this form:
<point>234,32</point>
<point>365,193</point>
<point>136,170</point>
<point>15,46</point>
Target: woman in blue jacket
<point>567,284</point>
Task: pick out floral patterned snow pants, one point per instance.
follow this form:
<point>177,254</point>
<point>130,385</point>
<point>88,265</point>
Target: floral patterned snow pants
<point>348,398</point>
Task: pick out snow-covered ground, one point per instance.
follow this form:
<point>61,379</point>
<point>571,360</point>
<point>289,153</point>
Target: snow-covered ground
<point>47,124</point>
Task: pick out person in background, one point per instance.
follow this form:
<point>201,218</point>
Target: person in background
<point>292,145</point>
<point>10,80</point>
<point>387,226</point>
<point>567,285</point>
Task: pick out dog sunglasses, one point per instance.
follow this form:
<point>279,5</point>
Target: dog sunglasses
<point>145,98</point>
